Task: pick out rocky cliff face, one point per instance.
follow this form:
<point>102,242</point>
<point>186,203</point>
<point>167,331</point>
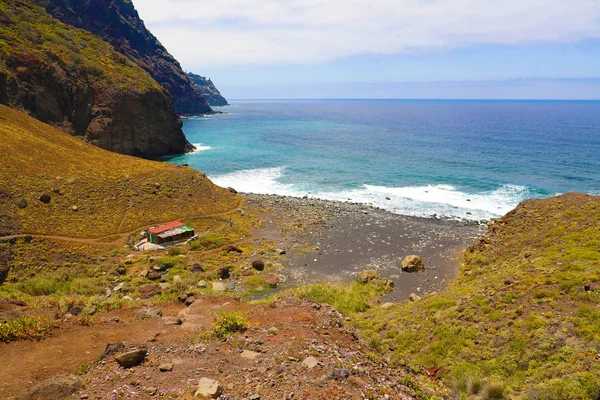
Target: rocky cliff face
<point>72,79</point>
<point>208,90</point>
<point>117,22</point>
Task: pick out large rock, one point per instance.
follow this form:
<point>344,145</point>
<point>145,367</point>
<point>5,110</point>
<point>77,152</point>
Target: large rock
<point>209,388</point>
<point>412,263</point>
<point>56,388</point>
<point>131,358</point>
<point>367,276</point>
<point>147,291</point>
<point>258,264</point>
<point>149,312</point>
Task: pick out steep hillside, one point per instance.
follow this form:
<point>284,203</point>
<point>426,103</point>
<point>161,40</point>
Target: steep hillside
<point>72,79</point>
<point>524,312</point>
<point>117,22</point>
<point>90,192</point>
<point>208,90</point>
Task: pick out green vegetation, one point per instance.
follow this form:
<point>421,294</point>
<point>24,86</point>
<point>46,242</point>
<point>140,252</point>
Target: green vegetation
<point>229,323</point>
<point>349,299</point>
<point>209,241</point>
<point>24,328</point>
<point>518,315</point>
<point>34,39</point>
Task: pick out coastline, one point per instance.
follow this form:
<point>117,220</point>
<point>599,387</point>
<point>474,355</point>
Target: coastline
<point>330,241</point>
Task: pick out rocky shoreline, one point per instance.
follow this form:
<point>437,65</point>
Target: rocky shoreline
<point>330,241</point>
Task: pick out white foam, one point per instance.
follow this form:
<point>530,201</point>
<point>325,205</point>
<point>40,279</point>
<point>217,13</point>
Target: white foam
<point>260,181</point>
<point>200,148</point>
<point>422,201</point>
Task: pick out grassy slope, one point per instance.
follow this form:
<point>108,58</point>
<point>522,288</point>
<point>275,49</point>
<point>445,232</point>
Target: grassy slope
<point>113,193</point>
<point>33,35</point>
<point>518,313</point>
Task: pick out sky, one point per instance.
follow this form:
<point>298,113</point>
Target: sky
<point>515,49</point>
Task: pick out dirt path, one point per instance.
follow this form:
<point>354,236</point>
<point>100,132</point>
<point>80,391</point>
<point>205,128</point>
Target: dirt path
<point>122,237</point>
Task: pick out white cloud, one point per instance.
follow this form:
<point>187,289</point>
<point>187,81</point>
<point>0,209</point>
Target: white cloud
<point>265,32</point>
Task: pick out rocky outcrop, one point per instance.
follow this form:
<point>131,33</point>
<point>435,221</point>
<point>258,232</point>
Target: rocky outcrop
<point>117,22</point>
<point>83,85</point>
<point>208,90</point>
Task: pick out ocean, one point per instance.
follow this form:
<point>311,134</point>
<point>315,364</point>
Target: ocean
<point>432,158</point>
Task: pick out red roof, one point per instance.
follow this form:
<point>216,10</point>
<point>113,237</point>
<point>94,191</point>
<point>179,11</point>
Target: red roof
<point>166,227</point>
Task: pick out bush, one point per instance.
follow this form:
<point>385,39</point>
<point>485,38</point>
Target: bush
<point>22,328</point>
<point>209,241</point>
<point>228,323</point>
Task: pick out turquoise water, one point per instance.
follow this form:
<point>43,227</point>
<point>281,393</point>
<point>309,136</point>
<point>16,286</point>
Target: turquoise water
<point>457,159</point>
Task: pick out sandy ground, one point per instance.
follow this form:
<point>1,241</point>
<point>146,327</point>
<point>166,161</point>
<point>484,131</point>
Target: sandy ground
<point>330,241</point>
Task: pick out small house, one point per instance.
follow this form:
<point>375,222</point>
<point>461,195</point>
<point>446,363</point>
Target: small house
<point>172,232</point>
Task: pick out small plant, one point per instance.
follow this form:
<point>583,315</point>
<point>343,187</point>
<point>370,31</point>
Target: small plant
<point>23,328</point>
<point>228,323</point>
<point>493,391</point>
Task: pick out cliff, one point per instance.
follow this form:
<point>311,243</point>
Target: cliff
<point>208,90</point>
<point>70,78</point>
<point>117,22</point>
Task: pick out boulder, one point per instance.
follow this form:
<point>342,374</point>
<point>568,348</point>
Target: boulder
<point>166,367</point>
<point>250,355</point>
<point>172,321</point>
<point>149,313</point>
<point>218,287</point>
<point>45,198</point>
<point>153,275</point>
<point>131,358</point>
<point>224,273</point>
<point>272,280</point>
<point>310,362</point>
<point>209,388</point>
<point>147,291</point>
<point>56,388</point>
<point>412,263</point>
<point>112,349</point>
<point>22,204</point>
<point>202,284</point>
<point>414,297</point>
<point>367,276</point>
<point>258,264</point>
<point>190,300</point>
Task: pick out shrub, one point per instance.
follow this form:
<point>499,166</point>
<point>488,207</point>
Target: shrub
<point>22,328</point>
<point>228,323</point>
<point>209,241</point>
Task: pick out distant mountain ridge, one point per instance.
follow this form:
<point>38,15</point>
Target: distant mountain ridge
<point>73,79</point>
<point>117,22</point>
<point>208,90</point>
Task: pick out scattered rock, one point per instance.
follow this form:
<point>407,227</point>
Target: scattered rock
<point>273,330</point>
<point>232,190</point>
<point>56,388</point>
<point>388,305</point>
<point>202,284</point>
<point>250,355</point>
<point>231,286</point>
<point>258,264</point>
<point>209,388</point>
<point>22,204</point>
<point>190,300</point>
<point>153,275</point>
<point>147,291</point>
<point>121,270</point>
<point>414,297</point>
<point>182,297</point>
<point>272,280</point>
<point>255,397</point>
<point>508,281</point>
<point>164,285</point>
<point>367,276</point>
<point>310,362</point>
<point>235,249</point>
<point>131,358</point>
<point>75,208</point>
<point>357,381</point>
<point>412,263</point>
<point>197,267</point>
<point>218,287</point>
<point>172,321</point>
<point>45,198</point>
<point>149,313</point>
<point>339,374</point>
<point>224,273</point>
<point>166,367</point>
